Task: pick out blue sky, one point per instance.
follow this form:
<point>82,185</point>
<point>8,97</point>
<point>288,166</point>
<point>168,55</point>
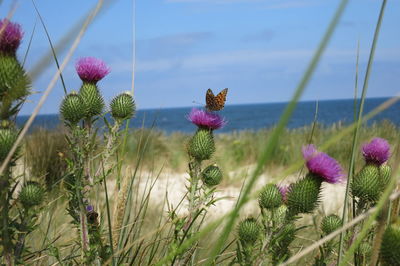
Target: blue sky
<point>257,48</point>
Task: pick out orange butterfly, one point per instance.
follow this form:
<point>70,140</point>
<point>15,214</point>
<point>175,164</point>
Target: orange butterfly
<point>216,103</point>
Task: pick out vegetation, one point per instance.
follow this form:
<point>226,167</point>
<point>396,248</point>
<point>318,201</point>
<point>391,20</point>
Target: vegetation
<point>82,195</point>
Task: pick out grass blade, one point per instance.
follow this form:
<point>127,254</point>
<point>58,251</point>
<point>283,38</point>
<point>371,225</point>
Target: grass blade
<point>359,119</point>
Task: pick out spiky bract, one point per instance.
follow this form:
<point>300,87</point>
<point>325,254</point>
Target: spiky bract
<point>31,194</point>
<point>92,100</point>
<point>390,247</point>
<point>330,223</point>
<point>7,140</point>
<point>123,106</point>
<point>304,195</point>
<point>270,197</point>
<point>72,108</point>
<point>211,175</point>
<point>202,145</point>
<point>249,231</point>
<point>368,184</point>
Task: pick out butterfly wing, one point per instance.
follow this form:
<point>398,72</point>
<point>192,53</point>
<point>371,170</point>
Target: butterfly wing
<point>216,103</point>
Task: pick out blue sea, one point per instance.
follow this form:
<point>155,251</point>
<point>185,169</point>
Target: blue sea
<point>248,116</point>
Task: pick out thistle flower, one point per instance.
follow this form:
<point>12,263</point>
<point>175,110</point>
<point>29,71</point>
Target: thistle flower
<point>377,151</point>
<point>91,69</point>
<point>10,36</point>
<point>322,165</point>
<point>204,119</point>
<point>89,208</point>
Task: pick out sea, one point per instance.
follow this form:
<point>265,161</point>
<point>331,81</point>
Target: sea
<point>248,116</point>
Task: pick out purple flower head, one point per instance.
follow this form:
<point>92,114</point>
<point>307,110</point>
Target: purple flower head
<point>89,208</point>
<point>377,151</point>
<point>284,189</point>
<point>91,69</point>
<point>10,36</point>
<point>206,119</point>
<point>322,165</point>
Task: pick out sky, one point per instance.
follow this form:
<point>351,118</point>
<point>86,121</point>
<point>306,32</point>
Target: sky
<point>259,49</point>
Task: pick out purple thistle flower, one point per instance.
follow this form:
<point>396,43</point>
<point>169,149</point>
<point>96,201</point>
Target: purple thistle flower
<point>377,151</point>
<point>204,119</point>
<point>10,36</point>
<point>89,208</point>
<point>284,189</point>
<point>91,69</point>
<point>322,165</point>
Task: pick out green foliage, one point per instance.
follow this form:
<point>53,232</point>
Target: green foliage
<point>304,195</point>
<point>270,197</point>
<point>202,146</point>
<point>211,175</point>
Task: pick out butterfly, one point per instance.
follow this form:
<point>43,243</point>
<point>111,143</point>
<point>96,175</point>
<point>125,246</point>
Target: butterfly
<point>216,103</point>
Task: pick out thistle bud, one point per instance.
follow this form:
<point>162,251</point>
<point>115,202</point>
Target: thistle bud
<point>212,175</point>
<point>366,184</point>
<point>7,140</point>
<point>14,82</point>
<point>270,197</point>
<point>390,247</point>
<point>123,106</point>
<point>72,108</point>
<point>330,224</point>
<point>386,172</point>
<point>31,194</point>
<point>202,145</point>
<point>304,195</point>
<point>249,231</point>
<point>92,100</point>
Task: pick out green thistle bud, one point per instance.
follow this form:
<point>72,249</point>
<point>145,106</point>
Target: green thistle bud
<point>212,175</point>
<point>390,247</point>
<point>304,195</point>
<point>14,82</point>
<point>92,100</point>
<point>386,172</point>
<point>123,106</point>
<point>270,197</point>
<point>249,231</point>
<point>202,146</point>
<point>72,108</point>
<point>330,224</point>
<point>7,140</point>
<point>366,184</point>
<point>31,194</point>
